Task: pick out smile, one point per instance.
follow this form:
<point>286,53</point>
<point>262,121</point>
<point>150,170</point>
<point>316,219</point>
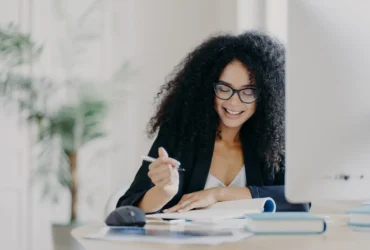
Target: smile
<point>231,112</point>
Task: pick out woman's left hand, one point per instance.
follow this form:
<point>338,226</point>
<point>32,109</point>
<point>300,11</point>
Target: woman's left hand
<point>199,199</point>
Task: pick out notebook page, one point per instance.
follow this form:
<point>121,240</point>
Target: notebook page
<point>202,215</point>
<point>218,211</point>
<point>246,205</point>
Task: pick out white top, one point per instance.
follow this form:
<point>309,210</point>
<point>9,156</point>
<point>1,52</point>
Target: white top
<point>240,180</point>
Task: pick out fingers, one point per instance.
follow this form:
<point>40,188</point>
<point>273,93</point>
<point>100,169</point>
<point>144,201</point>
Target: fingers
<point>159,169</point>
<point>164,161</point>
<point>162,153</point>
<point>158,177</point>
<point>160,173</point>
<point>180,206</point>
<point>185,201</point>
<point>192,205</point>
<point>172,179</point>
<point>185,197</point>
<point>163,170</point>
<point>164,182</point>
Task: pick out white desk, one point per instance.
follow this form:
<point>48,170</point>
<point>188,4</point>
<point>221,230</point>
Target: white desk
<point>338,236</point>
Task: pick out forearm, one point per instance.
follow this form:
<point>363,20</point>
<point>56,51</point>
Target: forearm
<point>154,200</point>
<point>233,193</point>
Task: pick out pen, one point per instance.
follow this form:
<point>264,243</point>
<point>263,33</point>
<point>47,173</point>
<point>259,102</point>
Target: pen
<point>150,159</point>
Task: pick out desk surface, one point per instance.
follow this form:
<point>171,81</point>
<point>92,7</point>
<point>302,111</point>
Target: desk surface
<point>338,236</point>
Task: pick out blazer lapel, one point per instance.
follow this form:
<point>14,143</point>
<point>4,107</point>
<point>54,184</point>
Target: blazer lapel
<point>252,163</point>
<point>202,164</point>
<point>203,158</point>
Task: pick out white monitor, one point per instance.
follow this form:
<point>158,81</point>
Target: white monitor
<point>328,100</point>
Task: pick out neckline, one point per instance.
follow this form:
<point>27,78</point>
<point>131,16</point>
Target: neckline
<point>232,182</point>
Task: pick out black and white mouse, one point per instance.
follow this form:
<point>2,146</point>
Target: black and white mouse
<point>126,216</point>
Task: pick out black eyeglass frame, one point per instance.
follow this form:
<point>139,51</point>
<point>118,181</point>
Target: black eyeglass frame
<point>235,91</point>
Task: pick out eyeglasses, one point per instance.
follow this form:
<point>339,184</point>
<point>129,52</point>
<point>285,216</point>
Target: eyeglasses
<point>225,92</point>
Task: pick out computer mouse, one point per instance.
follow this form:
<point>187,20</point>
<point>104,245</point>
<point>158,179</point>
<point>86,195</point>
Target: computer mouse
<point>128,216</point>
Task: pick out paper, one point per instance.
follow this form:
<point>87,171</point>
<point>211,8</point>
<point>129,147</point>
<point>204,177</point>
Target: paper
<point>201,215</point>
<point>222,224</point>
<point>165,236</point>
<point>222,210</point>
<point>159,221</point>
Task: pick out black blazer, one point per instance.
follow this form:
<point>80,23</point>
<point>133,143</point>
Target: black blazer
<point>196,160</point>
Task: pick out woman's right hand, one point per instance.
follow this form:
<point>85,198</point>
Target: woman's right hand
<point>164,174</point>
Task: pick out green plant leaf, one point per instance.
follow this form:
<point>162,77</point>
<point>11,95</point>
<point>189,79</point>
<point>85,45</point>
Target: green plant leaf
<point>17,48</point>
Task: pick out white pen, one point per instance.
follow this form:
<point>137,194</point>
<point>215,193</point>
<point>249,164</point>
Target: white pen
<point>150,159</point>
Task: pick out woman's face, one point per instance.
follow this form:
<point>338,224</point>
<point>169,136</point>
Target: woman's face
<point>233,112</point>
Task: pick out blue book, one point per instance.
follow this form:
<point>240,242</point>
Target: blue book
<point>359,216</point>
<point>285,223</point>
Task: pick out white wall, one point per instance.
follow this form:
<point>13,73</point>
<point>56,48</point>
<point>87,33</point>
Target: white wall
<point>19,212</point>
<point>267,15</point>
<point>276,18</point>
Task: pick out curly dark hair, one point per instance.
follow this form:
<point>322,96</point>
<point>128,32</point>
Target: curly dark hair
<point>187,104</point>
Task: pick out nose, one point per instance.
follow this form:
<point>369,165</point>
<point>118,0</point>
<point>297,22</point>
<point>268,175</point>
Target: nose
<point>234,100</point>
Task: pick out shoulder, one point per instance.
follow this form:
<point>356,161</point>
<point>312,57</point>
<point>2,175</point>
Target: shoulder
<point>162,139</point>
<point>167,137</point>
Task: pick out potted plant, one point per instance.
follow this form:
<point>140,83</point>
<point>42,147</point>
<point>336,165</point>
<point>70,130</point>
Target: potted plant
<point>63,133</point>
<point>58,128</point>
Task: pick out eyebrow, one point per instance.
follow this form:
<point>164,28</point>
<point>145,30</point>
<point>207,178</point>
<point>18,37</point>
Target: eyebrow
<point>244,86</point>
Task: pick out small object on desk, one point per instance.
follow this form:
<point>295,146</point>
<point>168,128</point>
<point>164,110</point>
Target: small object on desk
<point>285,223</point>
<point>150,159</point>
<point>128,216</point>
<point>359,216</point>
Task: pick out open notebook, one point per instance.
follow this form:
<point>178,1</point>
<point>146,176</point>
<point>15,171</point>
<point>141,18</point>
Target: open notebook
<point>222,210</point>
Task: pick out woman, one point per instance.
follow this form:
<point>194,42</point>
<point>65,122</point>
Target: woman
<point>222,118</point>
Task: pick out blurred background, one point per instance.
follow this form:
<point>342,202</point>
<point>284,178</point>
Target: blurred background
<point>77,85</point>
